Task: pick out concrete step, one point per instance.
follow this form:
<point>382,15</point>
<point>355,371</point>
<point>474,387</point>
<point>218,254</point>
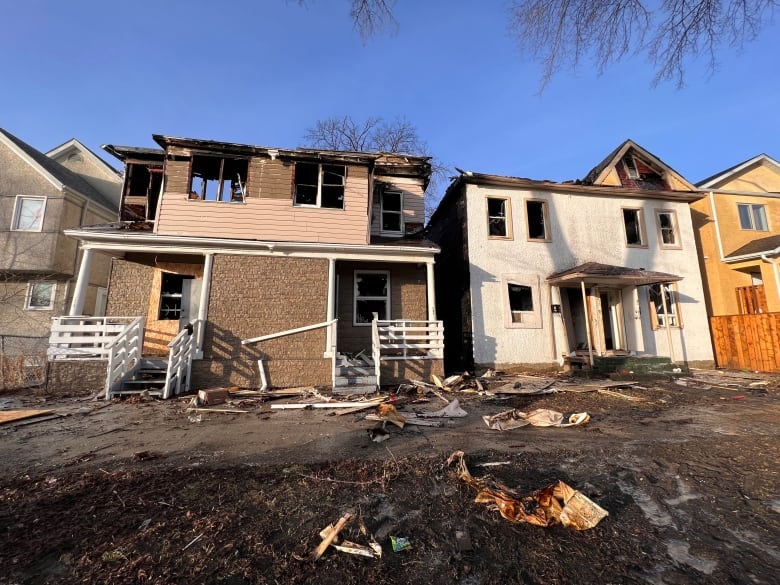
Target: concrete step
<point>346,390</point>
<point>355,380</point>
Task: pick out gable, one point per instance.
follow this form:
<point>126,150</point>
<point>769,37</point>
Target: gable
<point>761,177</point>
<point>632,167</point>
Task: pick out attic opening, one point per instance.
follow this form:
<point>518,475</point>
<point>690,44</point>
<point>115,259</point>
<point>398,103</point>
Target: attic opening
<point>641,174</point>
<point>218,179</point>
<point>142,190</point>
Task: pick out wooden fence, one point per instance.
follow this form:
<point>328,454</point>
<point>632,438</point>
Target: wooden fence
<point>747,342</point>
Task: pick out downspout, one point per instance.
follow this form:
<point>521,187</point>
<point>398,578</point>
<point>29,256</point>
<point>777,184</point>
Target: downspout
<point>586,308</point>
<point>717,226</point>
<point>331,306</point>
<point>775,271</point>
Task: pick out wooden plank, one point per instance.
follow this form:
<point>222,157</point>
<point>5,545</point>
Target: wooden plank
<point>7,416</point>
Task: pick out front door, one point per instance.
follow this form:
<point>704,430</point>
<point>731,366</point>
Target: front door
<point>190,301</point>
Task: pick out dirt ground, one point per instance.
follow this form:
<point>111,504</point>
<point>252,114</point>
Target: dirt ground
<point>148,492</point>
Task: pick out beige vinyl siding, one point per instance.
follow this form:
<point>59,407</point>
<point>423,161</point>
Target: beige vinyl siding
<point>413,202</point>
<point>271,217</point>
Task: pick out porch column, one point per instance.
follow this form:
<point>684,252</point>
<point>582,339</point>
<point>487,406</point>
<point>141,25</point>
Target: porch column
<point>586,306</point>
<point>80,292</point>
<point>431,289</point>
<point>331,310</point>
<point>203,307</point>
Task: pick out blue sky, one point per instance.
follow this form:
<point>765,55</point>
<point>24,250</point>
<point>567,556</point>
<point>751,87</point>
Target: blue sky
<point>262,72</point>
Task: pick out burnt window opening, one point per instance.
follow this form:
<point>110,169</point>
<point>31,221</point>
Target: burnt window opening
<point>171,288</point>
<point>498,226</point>
<point>536,216</point>
<point>372,295</point>
<point>520,301</point>
<point>142,191</point>
<point>319,185</point>
<point>631,169</point>
<point>218,179</point>
<point>392,211</point>
<point>642,175</point>
<point>632,219</point>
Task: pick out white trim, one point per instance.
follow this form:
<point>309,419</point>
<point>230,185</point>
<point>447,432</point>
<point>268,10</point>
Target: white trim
<point>28,296</point>
<point>736,170</point>
<point>386,298</point>
<point>18,208</point>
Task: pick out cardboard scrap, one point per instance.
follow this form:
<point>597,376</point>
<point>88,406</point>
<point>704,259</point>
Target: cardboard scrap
<point>452,410</point>
<point>541,417</point>
<point>556,503</point>
<point>212,396</point>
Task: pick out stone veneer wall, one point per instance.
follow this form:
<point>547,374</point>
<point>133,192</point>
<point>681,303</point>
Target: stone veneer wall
<point>79,377</point>
<point>129,289</point>
<point>259,295</point>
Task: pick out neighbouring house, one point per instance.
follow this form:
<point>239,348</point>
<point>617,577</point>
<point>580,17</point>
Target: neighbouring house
<point>39,199</point>
<point>251,266</point>
<point>737,224</point>
<point>538,274</point>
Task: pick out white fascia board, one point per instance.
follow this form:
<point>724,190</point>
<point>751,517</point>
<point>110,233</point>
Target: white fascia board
<point>753,256</point>
<point>29,160</point>
<point>189,245</point>
<point>717,179</point>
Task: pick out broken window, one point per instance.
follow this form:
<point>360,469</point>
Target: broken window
<point>536,217</point>
<point>632,219</point>
<point>498,217</point>
<point>142,190</point>
<point>40,296</point>
<point>392,211</point>
<point>320,185</point>
<point>631,169</point>
<point>752,217</point>
<point>218,179</point>
<point>663,305</point>
<point>372,295</point>
<point>667,228</point>
<point>28,214</point>
<point>171,289</point>
<point>520,301</point>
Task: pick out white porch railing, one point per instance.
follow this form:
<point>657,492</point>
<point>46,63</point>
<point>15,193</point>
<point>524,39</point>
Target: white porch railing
<point>74,338</point>
<point>405,340</point>
<point>124,353</point>
<point>180,355</point>
<point>331,341</point>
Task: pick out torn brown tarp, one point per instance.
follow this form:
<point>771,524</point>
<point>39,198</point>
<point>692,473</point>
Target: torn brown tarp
<point>541,417</point>
<point>558,502</point>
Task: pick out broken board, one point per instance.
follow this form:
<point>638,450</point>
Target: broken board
<point>7,416</point>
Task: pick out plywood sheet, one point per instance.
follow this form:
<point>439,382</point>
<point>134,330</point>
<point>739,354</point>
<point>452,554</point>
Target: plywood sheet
<point>7,416</point>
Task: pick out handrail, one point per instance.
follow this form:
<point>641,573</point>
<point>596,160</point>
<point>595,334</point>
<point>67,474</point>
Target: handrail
<point>180,353</point>
<point>124,353</point>
<point>289,332</point>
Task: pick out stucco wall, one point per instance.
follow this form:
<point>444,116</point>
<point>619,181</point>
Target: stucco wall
<point>583,229</point>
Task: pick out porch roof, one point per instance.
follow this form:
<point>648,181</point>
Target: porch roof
<point>607,274</point>
<point>769,246</point>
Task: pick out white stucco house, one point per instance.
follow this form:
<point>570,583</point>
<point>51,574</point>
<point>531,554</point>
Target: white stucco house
<point>533,274</point>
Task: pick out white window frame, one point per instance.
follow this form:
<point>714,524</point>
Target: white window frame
<point>752,216</point>
<point>528,319</point>
<point>29,295</point>
<point>18,205</point>
<point>355,297</point>
<point>642,231</point>
<point>320,174</point>
<point>507,217</point>
<point>672,306</point>
<point>399,212</point>
<point>675,229</point>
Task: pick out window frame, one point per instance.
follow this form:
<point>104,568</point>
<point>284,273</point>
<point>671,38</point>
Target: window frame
<point>507,217</point>
<point>18,206</point>
<point>632,170</point>
<point>528,319</point>
<point>545,220</point>
<point>675,229</point>
<point>752,207</point>
<point>29,295</point>
<point>320,185</point>
<point>356,298</point>
<point>642,231</point>
<point>399,212</point>
<point>657,321</point>
<point>220,180</point>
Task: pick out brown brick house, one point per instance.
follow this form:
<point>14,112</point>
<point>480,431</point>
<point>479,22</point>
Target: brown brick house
<point>284,266</point>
